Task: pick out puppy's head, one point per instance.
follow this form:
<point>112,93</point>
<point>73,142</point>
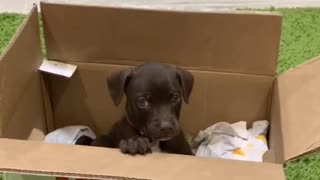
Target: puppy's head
<point>154,97</point>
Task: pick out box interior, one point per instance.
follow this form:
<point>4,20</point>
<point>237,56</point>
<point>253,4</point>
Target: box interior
<point>232,56</point>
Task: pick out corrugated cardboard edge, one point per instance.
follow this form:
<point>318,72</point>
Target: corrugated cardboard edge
<point>306,78</point>
<point>89,162</point>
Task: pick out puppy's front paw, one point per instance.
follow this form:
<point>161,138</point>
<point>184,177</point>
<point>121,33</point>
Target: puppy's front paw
<point>135,145</point>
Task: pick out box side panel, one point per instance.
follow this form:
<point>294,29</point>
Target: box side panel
<point>21,105</point>
<point>99,163</point>
<point>299,102</point>
<point>275,134</point>
<point>245,43</point>
<point>84,99</point>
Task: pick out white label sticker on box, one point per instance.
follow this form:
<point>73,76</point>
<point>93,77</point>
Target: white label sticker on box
<point>58,68</point>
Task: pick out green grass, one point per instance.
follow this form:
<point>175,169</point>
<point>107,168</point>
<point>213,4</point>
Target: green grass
<point>300,41</point>
<point>306,168</point>
<point>8,26</point>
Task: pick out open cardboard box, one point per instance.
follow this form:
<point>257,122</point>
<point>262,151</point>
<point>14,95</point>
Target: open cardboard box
<point>233,57</point>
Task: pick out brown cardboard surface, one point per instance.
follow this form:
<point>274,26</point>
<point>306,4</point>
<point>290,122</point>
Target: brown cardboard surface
<point>47,104</point>
<point>84,99</point>
<point>88,162</point>
<point>276,126</point>
<point>246,43</point>
<point>299,113</point>
<point>21,104</point>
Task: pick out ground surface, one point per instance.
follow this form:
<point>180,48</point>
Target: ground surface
<point>300,42</point>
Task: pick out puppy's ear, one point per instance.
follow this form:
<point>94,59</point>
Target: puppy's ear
<point>117,83</point>
<point>186,81</point>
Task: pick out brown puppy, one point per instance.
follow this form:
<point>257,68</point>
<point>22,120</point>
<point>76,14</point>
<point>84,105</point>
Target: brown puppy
<point>154,98</point>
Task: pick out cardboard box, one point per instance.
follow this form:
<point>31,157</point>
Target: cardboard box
<point>233,57</point>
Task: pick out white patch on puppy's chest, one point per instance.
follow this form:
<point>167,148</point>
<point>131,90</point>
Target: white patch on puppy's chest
<point>156,147</point>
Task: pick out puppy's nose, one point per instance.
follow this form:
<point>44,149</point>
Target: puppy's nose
<point>166,127</point>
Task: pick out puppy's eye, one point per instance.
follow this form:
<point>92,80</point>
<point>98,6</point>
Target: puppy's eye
<point>142,102</point>
<point>175,98</point>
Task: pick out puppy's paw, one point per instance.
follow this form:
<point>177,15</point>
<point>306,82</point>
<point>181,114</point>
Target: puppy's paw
<point>135,145</point>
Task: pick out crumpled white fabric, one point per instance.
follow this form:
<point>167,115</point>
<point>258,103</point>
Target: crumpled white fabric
<point>68,135</point>
<point>233,141</point>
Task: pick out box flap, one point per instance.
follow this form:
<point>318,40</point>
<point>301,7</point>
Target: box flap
<point>89,162</point>
<point>21,105</point>
<point>297,93</point>
<point>227,42</point>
